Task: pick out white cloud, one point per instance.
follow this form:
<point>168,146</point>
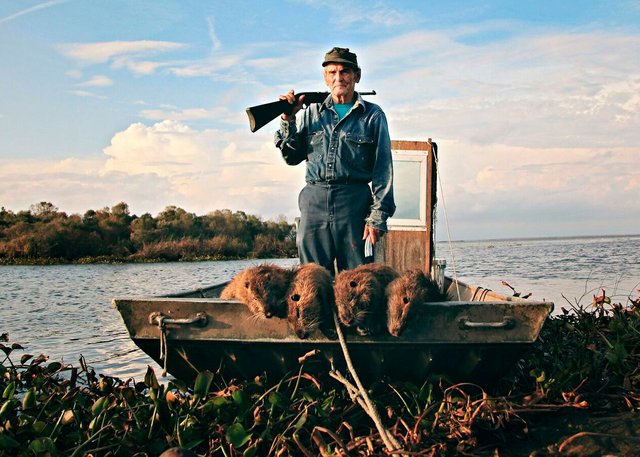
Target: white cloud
<point>541,89</point>
<point>208,169</point>
<point>372,16</point>
<point>186,114</point>
<point>121,54</point>
<point>497,190</point>
<point>219,65</point>
<point>97,81</point>
<point>103,52</point>
<point>166,148</point>
<point>347,13</point>
<point>215,41</point>
<point>138,67</point>
<point>84,93</point>
<point>74,73</point>
<point>76,185</point>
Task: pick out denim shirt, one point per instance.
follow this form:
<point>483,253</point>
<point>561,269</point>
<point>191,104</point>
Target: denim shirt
<point>356,149</point>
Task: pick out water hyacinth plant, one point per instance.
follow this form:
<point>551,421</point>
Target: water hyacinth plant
<point>586,360</point>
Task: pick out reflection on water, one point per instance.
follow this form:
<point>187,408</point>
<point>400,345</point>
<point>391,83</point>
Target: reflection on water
<point>65,311</point>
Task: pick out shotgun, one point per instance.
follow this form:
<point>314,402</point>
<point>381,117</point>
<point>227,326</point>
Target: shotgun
<point>261,115</point>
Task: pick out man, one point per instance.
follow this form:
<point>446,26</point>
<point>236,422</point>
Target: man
<point>345,143</point>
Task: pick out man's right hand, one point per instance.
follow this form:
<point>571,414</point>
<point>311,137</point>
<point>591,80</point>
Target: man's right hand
<point>290,97</point>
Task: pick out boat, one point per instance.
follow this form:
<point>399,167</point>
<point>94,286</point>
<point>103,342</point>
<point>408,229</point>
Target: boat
<point>476,335</point>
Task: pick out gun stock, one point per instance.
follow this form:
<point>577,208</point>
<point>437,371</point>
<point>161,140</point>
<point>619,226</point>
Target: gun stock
<point>261,115</point>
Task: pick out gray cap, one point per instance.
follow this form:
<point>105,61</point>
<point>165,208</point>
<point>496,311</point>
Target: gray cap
<point>341,56</point>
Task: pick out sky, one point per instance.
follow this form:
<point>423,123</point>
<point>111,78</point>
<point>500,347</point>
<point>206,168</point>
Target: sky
<point>535,106</point>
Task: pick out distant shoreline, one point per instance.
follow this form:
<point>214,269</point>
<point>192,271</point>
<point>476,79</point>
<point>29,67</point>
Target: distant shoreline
<point>43,235</point>
<point>540,238</point>
<point>104,260</point>
<point>120,261</point>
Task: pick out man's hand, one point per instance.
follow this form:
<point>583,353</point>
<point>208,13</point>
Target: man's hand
<point>373,233</point>
<point>290,97</point>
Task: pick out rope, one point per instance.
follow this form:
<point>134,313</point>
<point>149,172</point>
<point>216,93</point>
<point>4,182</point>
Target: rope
<point>446,218</point>
<point>161,321</point>
<point>163,345</point>
<point>369,407</point>
<point>480,294</point>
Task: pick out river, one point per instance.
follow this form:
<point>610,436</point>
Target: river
<point>65,311</point>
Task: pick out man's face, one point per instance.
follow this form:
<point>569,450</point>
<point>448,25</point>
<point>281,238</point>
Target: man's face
<point>341,81</point>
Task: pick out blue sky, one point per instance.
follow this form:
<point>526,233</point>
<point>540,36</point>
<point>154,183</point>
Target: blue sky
<point>535,105</point>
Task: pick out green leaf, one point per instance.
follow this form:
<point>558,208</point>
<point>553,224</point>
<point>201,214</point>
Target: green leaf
<point>99,405</point>
<point>7,407</point>
<point>29,400</point>
<point>25,358</point>
<point>215,404</point>
<point>68,417</point>
<point>42,445</point>
<point>277,399</point>
<point>93,423</point>
<point>617,355</point>
<point>300,422</point>
<point>189,422</point>
<point>251,451</point>
<point>39,426</point>
<point>194,444</point>
<point>53,367</point>
<point>38,360</point>
<point>237,435</point>
<point>539,375</point>
<point>7,442</point>
<point>150,379</point>
<point>9,390</point>
<point>202,384</point>
<point>241,399</point>
<point>5,349</point>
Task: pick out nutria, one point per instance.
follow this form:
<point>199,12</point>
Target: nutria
<point>310,300</point>
<point>360,296</point>
<point>262,288</point>
<point>404,292</point>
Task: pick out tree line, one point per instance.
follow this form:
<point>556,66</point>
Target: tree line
<point>43,234</point>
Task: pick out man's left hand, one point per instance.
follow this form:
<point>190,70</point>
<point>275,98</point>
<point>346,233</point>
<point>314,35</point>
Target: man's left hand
<point>373,233</point>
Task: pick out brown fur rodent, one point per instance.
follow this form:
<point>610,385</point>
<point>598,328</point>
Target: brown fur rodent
<point>411,287</point>
<point>310,300</point>
<point>262,288</point>
<point>360,296</point>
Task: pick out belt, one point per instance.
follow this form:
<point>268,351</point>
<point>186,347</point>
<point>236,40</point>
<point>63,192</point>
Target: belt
<point>340,181</point>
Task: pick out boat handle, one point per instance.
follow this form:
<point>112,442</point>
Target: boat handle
<point>507,323</point>
<point>159,319</point>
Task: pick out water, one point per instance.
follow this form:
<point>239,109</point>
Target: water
<point>561,270</point>
<point>65,311</point>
